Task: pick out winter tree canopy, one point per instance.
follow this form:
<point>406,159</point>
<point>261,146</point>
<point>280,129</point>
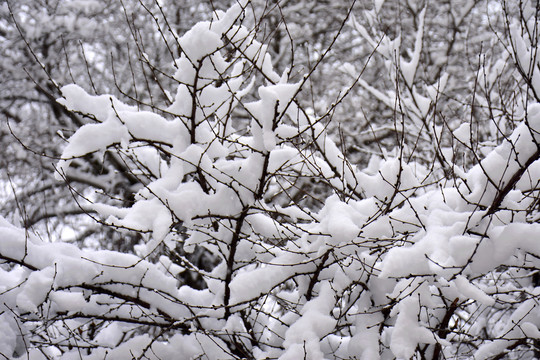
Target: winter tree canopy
<point>261,179</point>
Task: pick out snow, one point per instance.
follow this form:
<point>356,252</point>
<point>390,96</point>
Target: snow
<point>526,313</point>
<point>408,332</point>
<point>37,285</point>
<point>463,134</point>
<point>366,340</point>
<point>102,106</point>
<point>469,291</point>
<point>69,301</point>
<point>523,55</point>
<point>275,97</point>
<point>408,69</point>
<point>423,103</point>
<point>250,284</point>
<point>315,322</point>
<point>378,5</point>
<point>8,335</point>
<point>264,225</point>
<point>505,160</point>
<point>64,265</point>
<point>196,49</point>
<point>281,158</point>
<point>91,138</point>
<point>340,221</point>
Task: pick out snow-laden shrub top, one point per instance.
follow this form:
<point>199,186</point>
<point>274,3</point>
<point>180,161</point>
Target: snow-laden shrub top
<point>390,261</point>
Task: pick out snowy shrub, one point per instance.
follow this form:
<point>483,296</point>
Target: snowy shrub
<point>260,239</point>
